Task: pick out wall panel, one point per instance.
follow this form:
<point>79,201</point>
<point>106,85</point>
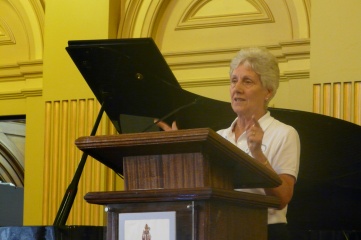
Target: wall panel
<point>357,103</point>
<point>347,101</point>
<point>339,99</point>
<point>65,121</point>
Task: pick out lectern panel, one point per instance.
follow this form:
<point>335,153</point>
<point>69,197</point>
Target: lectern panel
<point>167,171</point>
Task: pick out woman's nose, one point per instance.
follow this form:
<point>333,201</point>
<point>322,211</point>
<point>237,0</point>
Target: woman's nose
<point>238,86</point>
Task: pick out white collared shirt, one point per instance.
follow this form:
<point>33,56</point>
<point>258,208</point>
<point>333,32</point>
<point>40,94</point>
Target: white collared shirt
<point>281,146</point>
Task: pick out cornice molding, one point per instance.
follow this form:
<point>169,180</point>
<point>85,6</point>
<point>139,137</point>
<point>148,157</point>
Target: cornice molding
<point>213,82</point>
<point>205,83</point>
<point>18,74</point>
<point>284,51</point>
<point>24,93</point>
<point>21,71</point>
<point>299,74</point>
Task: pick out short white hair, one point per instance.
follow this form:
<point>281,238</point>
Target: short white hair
<point>263,63</point>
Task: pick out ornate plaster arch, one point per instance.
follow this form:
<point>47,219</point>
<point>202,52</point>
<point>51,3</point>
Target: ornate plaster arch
<point>21,47</point>
<point>147,18</point>
<point>27,17</point>
<point>140,17</point>
<point>214,15</point>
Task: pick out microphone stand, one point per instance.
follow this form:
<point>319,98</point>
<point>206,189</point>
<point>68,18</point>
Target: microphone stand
<point>172,113</point>
<point>69,196</point>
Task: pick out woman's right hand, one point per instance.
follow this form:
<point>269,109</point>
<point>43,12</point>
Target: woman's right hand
<point>165,126</point>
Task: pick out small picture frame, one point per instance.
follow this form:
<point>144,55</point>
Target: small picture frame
<point>147,226</point>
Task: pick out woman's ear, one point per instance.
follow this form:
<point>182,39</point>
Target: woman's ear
<point>268,95</point>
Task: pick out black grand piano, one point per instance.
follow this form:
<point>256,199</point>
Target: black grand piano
<point>132,80</point>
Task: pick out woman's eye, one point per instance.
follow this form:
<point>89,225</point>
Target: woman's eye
<point>248,82</point>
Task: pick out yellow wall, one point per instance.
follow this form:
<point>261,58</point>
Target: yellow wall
<point>336,59</point>
<point>70,20</point>
<point>336,43</point>
<point>34,164</point>
<point>65,20</point>
<point>51,79</point>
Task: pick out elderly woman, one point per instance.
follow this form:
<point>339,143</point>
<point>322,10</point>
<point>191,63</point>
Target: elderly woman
<point>254,76</point>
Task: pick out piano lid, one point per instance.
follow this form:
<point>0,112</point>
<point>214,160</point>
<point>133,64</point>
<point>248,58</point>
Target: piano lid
<point>129,75</point>
<point>133,78</point>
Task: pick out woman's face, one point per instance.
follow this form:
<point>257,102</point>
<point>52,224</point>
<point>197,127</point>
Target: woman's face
<point>248,96</point>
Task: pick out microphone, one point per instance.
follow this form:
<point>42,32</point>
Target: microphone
<point>196,101</point>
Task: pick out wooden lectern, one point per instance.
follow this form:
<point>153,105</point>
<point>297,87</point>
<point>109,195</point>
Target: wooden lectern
<point>190,172</point>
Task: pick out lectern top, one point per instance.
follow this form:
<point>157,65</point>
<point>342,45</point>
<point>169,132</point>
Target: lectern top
<point>246,172</point>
